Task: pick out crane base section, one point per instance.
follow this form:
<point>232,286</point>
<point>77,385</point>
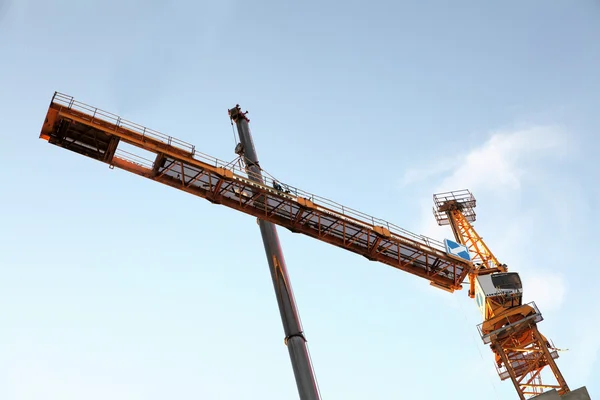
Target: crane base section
<point>578,394</point>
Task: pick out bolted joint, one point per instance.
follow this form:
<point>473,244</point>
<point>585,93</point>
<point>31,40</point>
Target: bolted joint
<point>299,334</point>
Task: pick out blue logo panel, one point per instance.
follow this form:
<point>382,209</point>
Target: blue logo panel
<point>457,250</point>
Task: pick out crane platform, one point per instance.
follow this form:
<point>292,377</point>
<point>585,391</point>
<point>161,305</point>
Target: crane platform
<point>97,134</point>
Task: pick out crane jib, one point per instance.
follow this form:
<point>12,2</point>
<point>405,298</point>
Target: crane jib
<point>97,134</point>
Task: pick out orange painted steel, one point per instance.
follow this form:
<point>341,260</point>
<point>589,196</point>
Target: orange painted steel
<point>457,210</point>
<point>97,134</point>
<point>522,353</point>
<point>510,329</point>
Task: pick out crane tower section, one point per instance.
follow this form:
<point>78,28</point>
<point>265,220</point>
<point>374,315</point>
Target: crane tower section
<point>509,326</point>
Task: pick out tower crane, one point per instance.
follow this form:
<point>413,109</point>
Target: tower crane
<point>522,354</point>
<point>509,327</point>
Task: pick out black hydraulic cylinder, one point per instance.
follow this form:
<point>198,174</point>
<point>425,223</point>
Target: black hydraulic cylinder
<point>294,336</point>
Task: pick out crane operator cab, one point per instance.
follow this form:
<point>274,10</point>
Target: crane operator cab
<point>503,289</point>
<point>499,297</point>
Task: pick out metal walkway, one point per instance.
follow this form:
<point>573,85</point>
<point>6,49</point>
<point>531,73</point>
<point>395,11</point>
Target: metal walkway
<point>97,134</point>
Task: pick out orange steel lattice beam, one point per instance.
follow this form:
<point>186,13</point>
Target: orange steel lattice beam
<point>457,209</point>
<point>461,205</point>
<point>522,352</point>
<point>96,134</point>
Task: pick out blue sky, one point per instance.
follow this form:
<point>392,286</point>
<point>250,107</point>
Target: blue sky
<point>117,287</point>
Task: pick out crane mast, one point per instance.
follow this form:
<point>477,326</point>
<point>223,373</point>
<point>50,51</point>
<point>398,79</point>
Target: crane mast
<point>509,327</point>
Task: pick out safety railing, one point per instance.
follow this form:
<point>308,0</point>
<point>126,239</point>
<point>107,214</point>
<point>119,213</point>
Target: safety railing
<point>134,158</point>
<point>520,363</point>
<point>71,104</point>
<point>534,318</point>
<point>462,196</point>
<point>336,208</point>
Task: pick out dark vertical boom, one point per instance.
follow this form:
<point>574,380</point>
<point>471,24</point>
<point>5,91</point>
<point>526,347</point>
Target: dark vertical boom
<point>294,336</point>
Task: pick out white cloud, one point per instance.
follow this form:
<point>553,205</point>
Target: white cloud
<point>546,288</point>
<point>440,166</point>
<point>588,346</point>
<point>495,172</point>
<point>499,164</point>
<point>534,214</point>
